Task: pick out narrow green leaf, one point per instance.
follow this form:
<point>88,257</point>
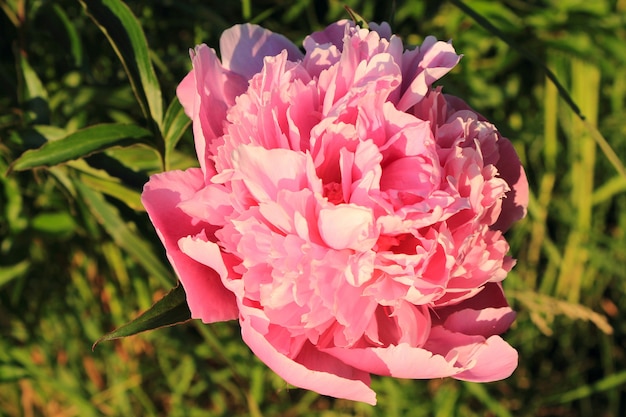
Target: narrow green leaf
<point>115,189</point>
<point>172,309</point>
<point>80,144</point>
<point>126,36</point>
<point>108,216</point>
<point>174,125</point>
<point>76,46</point>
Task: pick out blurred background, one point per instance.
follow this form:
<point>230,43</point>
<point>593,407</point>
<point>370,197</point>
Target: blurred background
<point>78,256</point>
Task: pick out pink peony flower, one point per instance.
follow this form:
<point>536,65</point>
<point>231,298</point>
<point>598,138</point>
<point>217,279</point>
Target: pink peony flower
<point>348,213</point>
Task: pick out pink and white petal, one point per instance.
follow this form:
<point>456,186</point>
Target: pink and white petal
<point>160,197</point>
<point>482,360</point>
<point>399,361</point>
<point>312,369</point>
<point>347,226</point>
<point>243,48</point>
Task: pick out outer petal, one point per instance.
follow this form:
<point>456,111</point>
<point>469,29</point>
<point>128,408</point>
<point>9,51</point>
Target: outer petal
<point>311,370</point>
<point>243,48</point>
<point>484,360</point>
<point>485,322</point>
<point>206,296</point>
<point>494,360</point>
<point>401,361</point>
<point>511,170</point>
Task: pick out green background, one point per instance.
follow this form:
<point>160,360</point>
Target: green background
<point>78,256</point>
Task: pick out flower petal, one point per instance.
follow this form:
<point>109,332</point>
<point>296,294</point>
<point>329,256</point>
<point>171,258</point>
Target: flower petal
<point>400,361</point>
<point>312,369</point>
<point>243,48</point>
<point>347,226</point>
<point>266,171</point>
<point>208,299</point>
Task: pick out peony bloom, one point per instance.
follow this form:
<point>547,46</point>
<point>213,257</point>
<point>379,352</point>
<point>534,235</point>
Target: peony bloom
<point>349,214</point>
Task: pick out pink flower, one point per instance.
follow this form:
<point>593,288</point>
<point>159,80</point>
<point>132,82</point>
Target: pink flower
<point>348,213</point>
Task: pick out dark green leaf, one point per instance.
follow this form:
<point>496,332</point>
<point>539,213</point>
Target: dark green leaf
<point>124,32</point>
<point>80,144</point>
<point>76,46</point>
<point>168,311</point>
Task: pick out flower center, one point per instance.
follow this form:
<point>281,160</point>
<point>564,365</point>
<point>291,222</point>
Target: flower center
<point>334,193</point>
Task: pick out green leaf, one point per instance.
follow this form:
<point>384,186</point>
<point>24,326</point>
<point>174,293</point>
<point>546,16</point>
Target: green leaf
<point>172,309</point>
<point>124,32</point>
<point>55,223</point>
<point>112,187</point>
<point>33,94</point>
<point>174,125</point>
<point>128,239</point>
<point>80,144</point>
<point>11,272</point>
<point>76,46</point>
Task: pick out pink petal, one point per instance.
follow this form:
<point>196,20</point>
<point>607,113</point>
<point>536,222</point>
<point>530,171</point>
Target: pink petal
<point>485,322</point>
<point>212,204</point>
<point>483,360</point>
<point>511,170</point>
<point>196,287</point>
<point>422,67</point>
<point>243,48</point>
<point>493,360</point>
<point>266,171</point>
<point>215,90</point>
<point>186,93</point>
<point>311,370</point>
<point>208,299</point>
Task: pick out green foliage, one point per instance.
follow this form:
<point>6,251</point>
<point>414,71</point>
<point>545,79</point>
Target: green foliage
<point>85,119</point>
